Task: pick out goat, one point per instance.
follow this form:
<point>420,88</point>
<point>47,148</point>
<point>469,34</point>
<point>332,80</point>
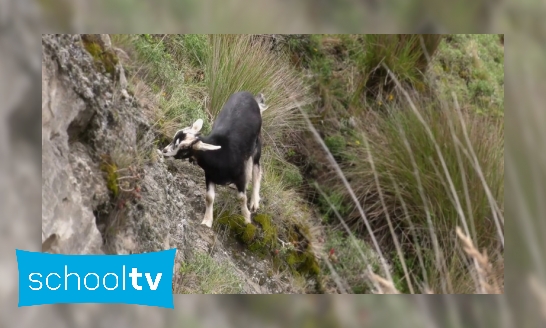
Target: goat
<point>230,154</point>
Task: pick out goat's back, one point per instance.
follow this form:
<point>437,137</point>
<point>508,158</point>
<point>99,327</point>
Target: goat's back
<point>239,122</point>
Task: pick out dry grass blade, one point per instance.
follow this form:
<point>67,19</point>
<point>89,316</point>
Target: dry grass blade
<point>488,283</point>
<point>436,146</point>
<point>494,207</point>
<point>335,275</point>
<point>413,233</point>
<point>386,286</point>
<point>399,252</point>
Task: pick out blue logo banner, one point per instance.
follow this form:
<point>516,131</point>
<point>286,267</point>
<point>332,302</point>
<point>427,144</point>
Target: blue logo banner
<point>143,279</point>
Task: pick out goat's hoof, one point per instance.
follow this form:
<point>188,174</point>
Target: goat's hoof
<point>254,205</point>
<point>207,223</point>
<point>247,218</point>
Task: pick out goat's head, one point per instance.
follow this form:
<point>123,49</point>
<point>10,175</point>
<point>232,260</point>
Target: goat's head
<point>186,140</point>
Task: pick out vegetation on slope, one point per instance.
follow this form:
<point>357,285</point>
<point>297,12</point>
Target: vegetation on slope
<point>419,163</point>
<point>186,77</point>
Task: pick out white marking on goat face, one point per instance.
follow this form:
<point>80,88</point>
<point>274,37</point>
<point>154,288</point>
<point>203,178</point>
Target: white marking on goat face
<point>183,138</point>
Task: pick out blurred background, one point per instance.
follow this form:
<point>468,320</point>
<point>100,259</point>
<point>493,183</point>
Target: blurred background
<point>22,21</point>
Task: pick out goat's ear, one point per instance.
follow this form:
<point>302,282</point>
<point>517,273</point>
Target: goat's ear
<point>200,145</point>
<point>197,126</point>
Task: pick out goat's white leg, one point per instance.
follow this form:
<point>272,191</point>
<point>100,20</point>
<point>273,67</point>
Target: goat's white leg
<point>209,201</point>
<point>248,172</point>
<point>256,181</point>
<point>244,208</point>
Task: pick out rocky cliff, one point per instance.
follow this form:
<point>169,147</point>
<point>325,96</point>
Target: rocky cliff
<point>104,187</point>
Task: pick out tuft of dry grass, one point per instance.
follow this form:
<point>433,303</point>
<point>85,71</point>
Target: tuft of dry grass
<point>241,63</point>
<point>449,170</point>
<point>488,283</point>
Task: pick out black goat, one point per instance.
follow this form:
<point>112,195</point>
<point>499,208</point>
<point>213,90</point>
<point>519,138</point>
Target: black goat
<point>230,153</point>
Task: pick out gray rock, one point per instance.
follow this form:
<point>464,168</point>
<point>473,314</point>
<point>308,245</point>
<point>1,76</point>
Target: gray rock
<point>63,211</point>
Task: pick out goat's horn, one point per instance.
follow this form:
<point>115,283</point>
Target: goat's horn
<point>204,146</point>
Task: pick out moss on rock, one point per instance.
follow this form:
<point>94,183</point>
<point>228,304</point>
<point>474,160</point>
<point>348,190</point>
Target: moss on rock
<point>110,169</point>
<point>248,234</point>
<point>269,230</point>
<point>106,58</point>
<point>262,240</point>
<point>245,232</point>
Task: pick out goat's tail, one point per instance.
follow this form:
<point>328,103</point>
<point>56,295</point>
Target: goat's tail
<point>260,99</point>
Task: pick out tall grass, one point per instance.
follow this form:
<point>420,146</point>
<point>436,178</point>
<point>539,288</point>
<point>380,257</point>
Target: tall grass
<point>403,54</point>
<point>430,171</point>
<point>241,63</point>
<point>410,170</point>
<point>444,166</point>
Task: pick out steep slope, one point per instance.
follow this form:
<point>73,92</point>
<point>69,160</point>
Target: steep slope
<point>105,190</point>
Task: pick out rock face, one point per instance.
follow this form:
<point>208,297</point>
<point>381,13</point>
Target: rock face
<point>104,187</point>
<point>85,120</point>
<point>67,216</point>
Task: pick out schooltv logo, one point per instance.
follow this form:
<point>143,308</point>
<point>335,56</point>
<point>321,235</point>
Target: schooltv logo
<point>143,279</point>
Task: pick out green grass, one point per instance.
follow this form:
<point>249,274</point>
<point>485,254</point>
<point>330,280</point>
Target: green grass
<point>204,275</point>
<point>337,202</point>
<point>473,67</point>
<point>174,86</point>
<point>403,54</point>
<point>346,258</point>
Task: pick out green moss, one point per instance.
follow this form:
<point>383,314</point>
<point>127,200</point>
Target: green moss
<point>111,177</point>
<point>310,264</point>
<point>302,262</point>
<point>292,259</point>
<point>249,233</point>
<point>262,240</point>
<point>237,225</point>
<point>255,246</point>
<point>269,238</point>
<point>105,57</point>
<point>234,222</point>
